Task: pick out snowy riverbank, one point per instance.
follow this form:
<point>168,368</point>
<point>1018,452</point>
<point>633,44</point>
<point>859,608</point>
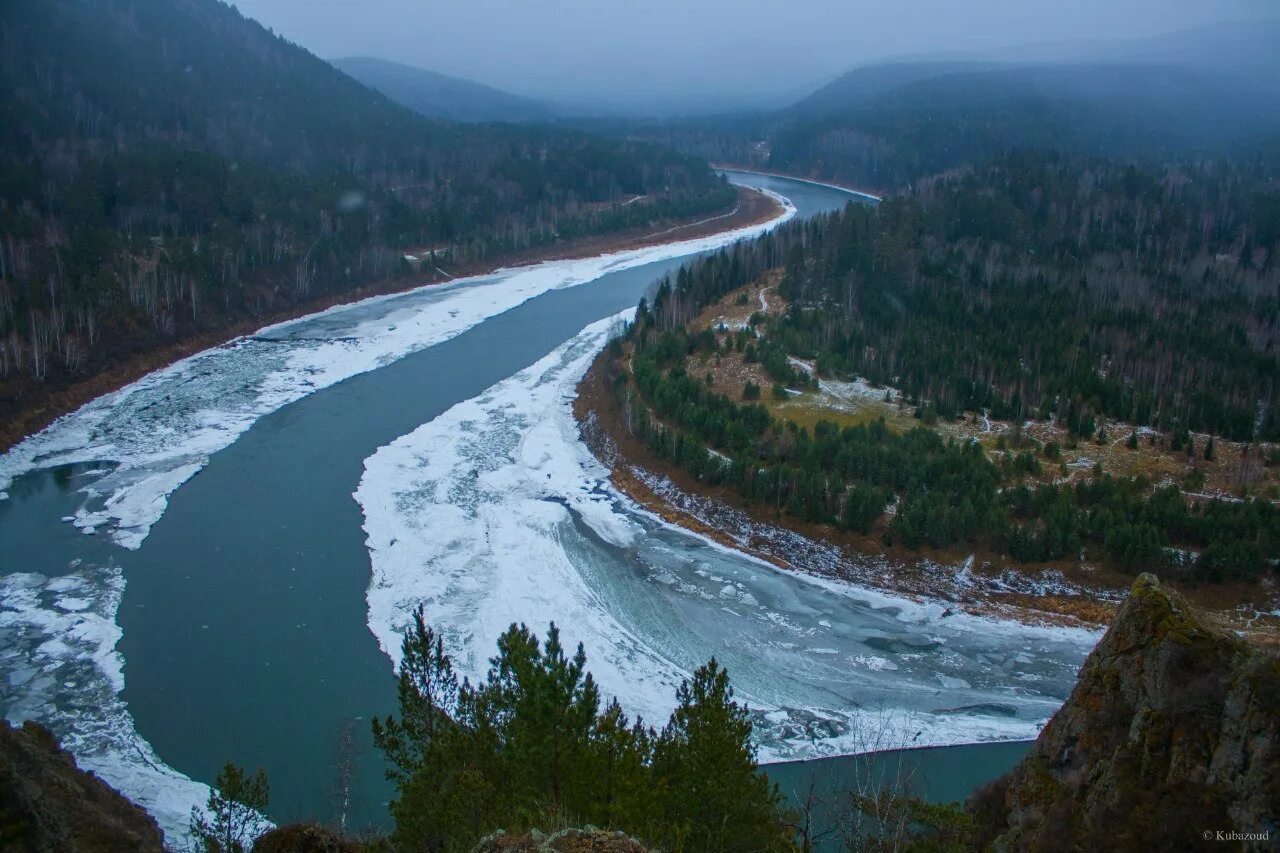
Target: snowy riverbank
<point>59,630</point>
<point>496,512</point>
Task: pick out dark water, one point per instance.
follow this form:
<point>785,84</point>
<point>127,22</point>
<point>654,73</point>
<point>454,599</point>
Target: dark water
<point>945,774</point>
<point>244,617</point>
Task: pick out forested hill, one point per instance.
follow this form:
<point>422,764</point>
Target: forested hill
<point>439,95</point>
<point>962,115</point>
<point>1189,95</point>
<point>168,167</point>
<point>1102,299</point>
<point>1042,286</point>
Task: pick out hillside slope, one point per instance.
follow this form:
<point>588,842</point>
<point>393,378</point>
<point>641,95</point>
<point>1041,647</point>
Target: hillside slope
<point>169,168</point>
<point>439,95</point>
<point>1205,93</point>
<point>47,803</point>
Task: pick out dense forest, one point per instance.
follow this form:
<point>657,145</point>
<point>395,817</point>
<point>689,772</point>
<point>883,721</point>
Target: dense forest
<point>1038,286</point>
<point>169,166</point>
<point>917,489</point>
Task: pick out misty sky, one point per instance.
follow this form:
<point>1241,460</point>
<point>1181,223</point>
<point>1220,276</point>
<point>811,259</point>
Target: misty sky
<point>656,51</point>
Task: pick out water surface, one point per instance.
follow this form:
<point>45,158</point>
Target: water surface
<point>244,620</point>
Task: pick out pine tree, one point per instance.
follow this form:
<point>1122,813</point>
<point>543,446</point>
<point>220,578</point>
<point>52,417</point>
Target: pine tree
<point>547,704</point>
<point>428,695</point>
<point>716,798</point>
<point>1208,450</point>
<point>622,792</point>
<point>422,755</point>
<point>233,816</point>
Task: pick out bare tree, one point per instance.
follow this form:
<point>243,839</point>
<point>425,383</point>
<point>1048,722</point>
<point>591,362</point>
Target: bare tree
<point>344,779</point>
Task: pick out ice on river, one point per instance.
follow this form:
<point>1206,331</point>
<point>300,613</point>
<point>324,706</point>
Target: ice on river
<point>57,653</point>
<point>58,663</point>
<point>495,512</point>
<point>158,432</point>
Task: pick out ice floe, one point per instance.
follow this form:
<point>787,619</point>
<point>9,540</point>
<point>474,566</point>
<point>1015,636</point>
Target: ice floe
<point>159,431</point>
<point>57,647</point>
<point>58,663</point>
<point>496,512</point>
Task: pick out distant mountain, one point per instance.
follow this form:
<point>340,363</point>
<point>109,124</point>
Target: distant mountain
<point>1217,55</point>
<point>1243,45</point>
<point>1204,92</point>
<point>439,95</point>
<point>859,86</point>
<point>884,127</point>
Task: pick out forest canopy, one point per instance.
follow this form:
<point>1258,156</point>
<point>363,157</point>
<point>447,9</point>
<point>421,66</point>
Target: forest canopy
<point>1035,287</point>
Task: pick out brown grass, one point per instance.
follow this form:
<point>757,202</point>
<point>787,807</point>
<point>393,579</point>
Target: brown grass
<point>1231,603</point>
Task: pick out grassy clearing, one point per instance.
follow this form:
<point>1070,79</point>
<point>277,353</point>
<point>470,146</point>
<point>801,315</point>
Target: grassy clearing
<point>1235,470</point>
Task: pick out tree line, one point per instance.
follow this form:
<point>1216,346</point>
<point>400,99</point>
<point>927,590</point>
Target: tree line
<point>918,489</point>
<point>1037,286</point>
<point>167,168</point>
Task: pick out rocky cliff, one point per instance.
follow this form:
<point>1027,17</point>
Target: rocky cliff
<point>48,804</point>
<point>1168,742</point>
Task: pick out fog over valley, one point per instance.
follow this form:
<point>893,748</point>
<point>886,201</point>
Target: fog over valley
<point>671,56</point>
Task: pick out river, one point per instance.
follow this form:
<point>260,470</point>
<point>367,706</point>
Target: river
<point>187,578</point>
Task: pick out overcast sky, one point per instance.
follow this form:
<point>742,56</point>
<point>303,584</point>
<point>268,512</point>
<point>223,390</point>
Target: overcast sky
<point>655,50</point>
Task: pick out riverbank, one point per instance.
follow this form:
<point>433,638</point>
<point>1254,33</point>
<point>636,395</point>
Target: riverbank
<point>877,195</point>
<point>674,496</point>
<point>342,383</point>
<point>38,406</point>
<point>977,583</point>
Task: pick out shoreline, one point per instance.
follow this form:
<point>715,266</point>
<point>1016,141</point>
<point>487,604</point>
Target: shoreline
<point>975,583</point>
<point>861,193</point>
<point>891,750</point>
<point>151,464</point>
<point>753,208</point>
<point>632,470</point>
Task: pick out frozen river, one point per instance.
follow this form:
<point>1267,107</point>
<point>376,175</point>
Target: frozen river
<point>187,578</point>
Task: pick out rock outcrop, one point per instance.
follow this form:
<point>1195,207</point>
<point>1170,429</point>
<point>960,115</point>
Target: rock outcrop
<point>305,838</point>
<point>48,804</point>
<point>587,840</point>
<point>1168,742</point>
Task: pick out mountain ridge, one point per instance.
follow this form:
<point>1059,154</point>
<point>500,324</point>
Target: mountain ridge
<point>437,95</point>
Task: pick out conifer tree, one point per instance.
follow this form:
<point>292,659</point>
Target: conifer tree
<point>716,798</point>
<point>233,816</point>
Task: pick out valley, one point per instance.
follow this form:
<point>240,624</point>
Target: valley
<point>638,428</point>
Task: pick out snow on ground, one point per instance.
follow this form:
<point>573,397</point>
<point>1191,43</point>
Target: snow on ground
<point>496,512</point>
<point>161,430</point>
<point>854,392</point>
